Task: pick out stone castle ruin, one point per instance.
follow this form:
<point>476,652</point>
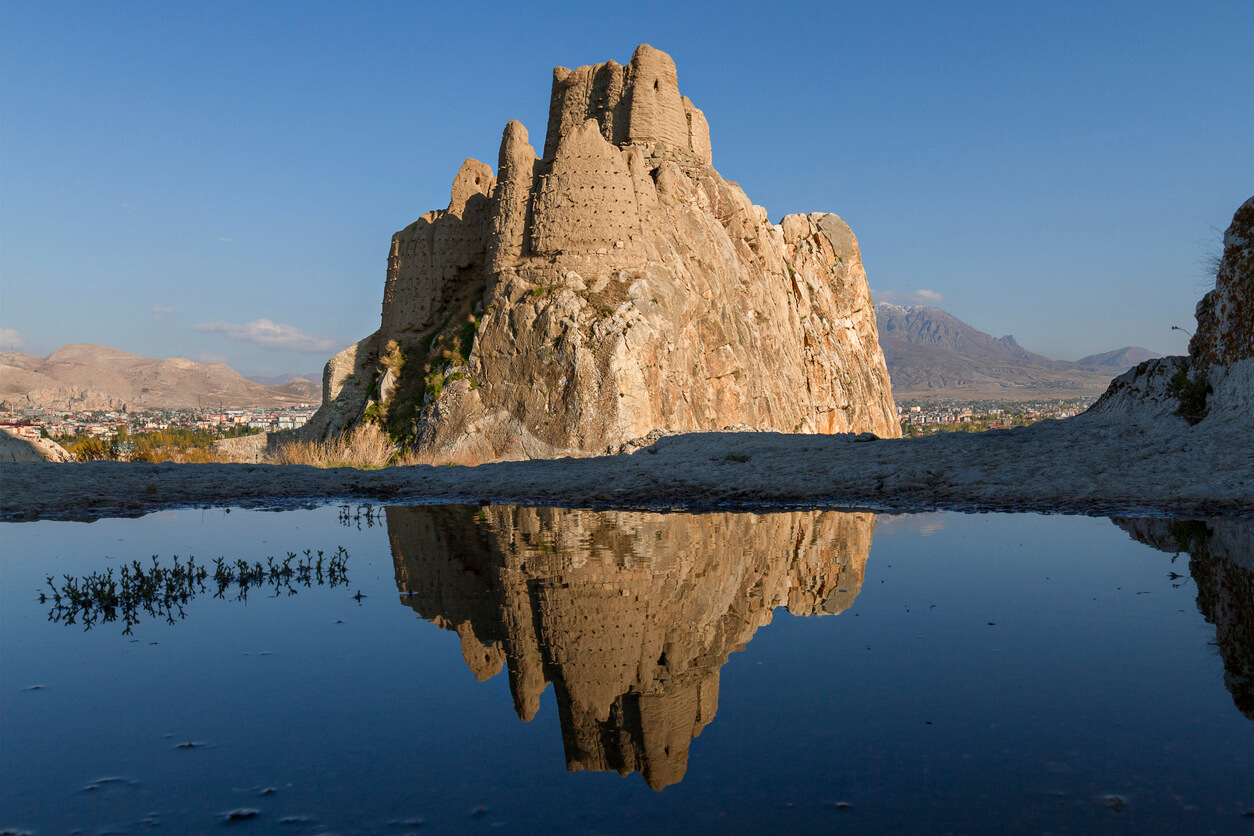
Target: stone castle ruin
<point>613,285</point>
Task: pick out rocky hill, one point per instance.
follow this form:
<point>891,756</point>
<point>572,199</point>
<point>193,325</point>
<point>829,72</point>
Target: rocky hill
<point>1119,360</point>
<point>932,354</point>
<point>280,379</point>
<point>94,377</point>
<point>1214,383</point>
<point>608,286</point>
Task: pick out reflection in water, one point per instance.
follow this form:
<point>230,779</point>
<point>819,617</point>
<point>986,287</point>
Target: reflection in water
<point>163,591</point>
<point>630,615</point>
<point>1221,562</point>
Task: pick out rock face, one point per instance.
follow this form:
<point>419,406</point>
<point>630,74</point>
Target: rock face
<point>629,615</point>
<point>1215,382</point>
<point>1225,316</point>
<point>614,285</point>
<point>16,449</point>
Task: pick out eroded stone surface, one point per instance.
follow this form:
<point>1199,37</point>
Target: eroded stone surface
<point>616,285</point>
<point>629,615</point>
<point>1225,316</point>
<point>16,449</point>
<point>1221,351</point>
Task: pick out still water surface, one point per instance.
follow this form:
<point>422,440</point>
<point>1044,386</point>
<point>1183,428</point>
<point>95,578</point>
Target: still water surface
<point>514,669</point>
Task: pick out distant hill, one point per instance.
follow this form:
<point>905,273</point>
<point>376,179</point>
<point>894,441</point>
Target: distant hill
<point>90,377</point>
<point>1121,359</point>
<point>933,354</point>
<point>280,379</point>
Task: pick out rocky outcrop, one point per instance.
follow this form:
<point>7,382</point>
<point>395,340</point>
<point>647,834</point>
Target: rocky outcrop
<point>615,284</point>
<point>1225,316</point>
<point>1215,382</point>
<point>15,448</point>
<point>629,615</point>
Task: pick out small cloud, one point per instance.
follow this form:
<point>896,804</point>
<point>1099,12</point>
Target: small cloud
<point>269,334</point>
<point>1130,286</point>
<point>159,312</point>
<point>223,240</point>
<point>914,297</point>
<point>10,338</point>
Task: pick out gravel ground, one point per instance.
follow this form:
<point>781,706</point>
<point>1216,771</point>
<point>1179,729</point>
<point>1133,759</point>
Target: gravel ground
<point>1099,465</point>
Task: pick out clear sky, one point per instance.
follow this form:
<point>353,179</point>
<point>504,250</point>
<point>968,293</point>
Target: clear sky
<point>221,180</point>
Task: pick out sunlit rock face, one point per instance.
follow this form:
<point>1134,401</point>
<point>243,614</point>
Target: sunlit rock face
<point>1221,563</point>
<point>613,285</point>
<point>629,615</point>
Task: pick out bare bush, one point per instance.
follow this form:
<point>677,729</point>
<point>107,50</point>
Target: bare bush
<point>367,446</point>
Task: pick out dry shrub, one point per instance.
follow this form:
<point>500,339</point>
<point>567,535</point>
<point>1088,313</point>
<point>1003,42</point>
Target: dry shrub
<point>367,446</point>
<point>190,455</point>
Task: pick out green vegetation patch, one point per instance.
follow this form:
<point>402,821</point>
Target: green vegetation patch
<point>421,369</point>
<point>1190,386</point>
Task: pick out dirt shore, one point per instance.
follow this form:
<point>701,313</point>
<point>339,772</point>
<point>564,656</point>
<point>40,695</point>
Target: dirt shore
<point>1088,465</point>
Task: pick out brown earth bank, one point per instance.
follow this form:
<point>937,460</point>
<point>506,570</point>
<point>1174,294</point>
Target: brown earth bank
<point>1098,464</point>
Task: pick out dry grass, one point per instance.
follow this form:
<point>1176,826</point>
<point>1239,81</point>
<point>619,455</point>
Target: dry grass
<point>368,446</point>
<point>191,455</point>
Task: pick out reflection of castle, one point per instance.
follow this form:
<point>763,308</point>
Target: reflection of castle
<point>630,615</point>
<point>1221,553</point>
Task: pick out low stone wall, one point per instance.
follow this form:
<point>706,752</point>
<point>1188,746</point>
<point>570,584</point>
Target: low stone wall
<point>248,449</point>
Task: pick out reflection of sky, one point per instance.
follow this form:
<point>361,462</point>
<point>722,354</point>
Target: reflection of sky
<point>923,524</point>
<point>1094,677</point>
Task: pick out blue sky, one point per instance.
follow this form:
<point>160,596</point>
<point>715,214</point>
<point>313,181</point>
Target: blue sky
<point>221,180</point>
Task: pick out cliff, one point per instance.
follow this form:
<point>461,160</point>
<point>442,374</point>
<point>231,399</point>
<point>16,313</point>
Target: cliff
<point>611,285</point>
<point>1215,382</point>
<point>629,615</point>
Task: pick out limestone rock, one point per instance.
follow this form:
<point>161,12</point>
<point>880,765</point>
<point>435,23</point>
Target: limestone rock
<point>15,448</point>
<point>1225,316</point>
<point>615,285</point>
<point>1217,376</point>
<point>629,615</point>
<point>347,385</point>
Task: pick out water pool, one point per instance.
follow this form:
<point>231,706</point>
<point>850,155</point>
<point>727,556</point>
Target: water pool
<point>469,669</point>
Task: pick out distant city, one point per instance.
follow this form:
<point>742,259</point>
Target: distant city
<point>927,417</point>
<point>916,418</point>
<point>218,423</point>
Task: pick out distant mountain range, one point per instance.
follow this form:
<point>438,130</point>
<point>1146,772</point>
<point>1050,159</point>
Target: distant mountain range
<point>280,379</point>
<point>933,354</point>
<point>95,377</point>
